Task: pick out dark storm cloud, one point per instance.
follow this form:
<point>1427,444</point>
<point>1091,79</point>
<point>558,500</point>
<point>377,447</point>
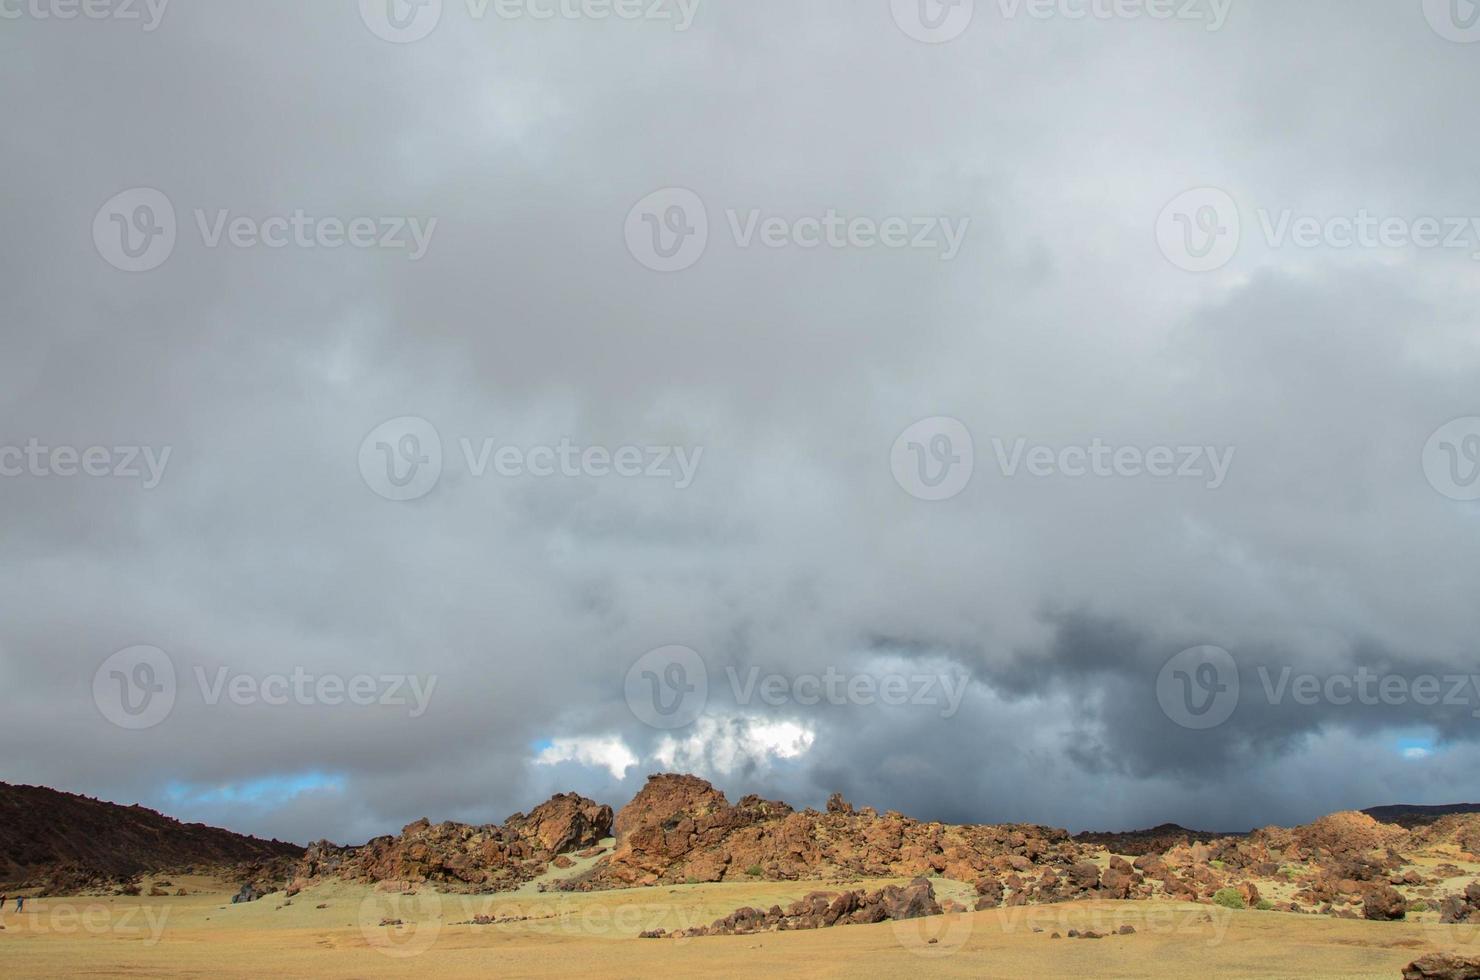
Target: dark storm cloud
<point>527,321</point>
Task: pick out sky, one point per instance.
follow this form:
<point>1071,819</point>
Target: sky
<point>1002,411</point>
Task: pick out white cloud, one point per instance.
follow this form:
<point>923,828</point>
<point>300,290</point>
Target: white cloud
<point>724,745</point>
<point>608,752</point>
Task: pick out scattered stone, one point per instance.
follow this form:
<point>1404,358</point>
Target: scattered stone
<point>821,910</point>
<point>249,893</point>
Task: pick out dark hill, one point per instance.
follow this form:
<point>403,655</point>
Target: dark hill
<point>1412,815</point>
<point>1152,840</point>
<point>56,840</point>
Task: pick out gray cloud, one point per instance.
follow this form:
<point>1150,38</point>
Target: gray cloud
<point>528,321</point>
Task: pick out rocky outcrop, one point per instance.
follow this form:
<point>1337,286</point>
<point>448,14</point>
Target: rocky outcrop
<point>680,828</point>
<point>466,857</point>
<point>821,910</point>
<point>1339,835</point>
<point>1461,830</point>
<point>565,822</point>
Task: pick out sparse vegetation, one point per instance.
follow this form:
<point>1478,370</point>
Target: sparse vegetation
<point>1265,905</point>
<point>1418,905</point>
<point>754,870</point>
<point>1229,898</point>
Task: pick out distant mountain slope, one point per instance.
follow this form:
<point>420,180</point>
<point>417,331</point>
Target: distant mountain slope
<point>47,835</point>
<point>1413,815</point>
<point>1152,840</point>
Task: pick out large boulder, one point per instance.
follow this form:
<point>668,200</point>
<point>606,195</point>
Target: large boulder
<point>989,893</point>
<point>909,901</point>
<point>1084,875</point>
<point>565,822</point>
<point>1443,966</point>
<point>1383,902</point>
<point>249,893</point>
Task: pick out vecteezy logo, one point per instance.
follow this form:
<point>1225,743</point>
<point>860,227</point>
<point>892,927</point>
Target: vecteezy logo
<point>933,459</point>
<point>668,230</point>
<point>402,459</point>
<point>1454,20</point>
<point>668,687</point>
<point>135,688</point>
<point>401,21</point>
<point>1200,229</point>
<point>401,925</point>
<point>135,230</point>
<point>1451,459</point>
<point>1199,688</point>
<point>933,21</point>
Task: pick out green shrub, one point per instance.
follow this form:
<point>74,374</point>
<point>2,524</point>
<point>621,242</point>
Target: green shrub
<point>1229,898</point>
<point>1418,906</point>
<point>754,870</point>
<point>1218,864</point>
<point>1264,905</point>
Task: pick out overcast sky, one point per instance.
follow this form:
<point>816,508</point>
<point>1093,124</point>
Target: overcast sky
<point>753,253</point>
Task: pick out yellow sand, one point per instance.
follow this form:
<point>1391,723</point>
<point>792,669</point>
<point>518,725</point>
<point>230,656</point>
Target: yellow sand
<point>202,935</point>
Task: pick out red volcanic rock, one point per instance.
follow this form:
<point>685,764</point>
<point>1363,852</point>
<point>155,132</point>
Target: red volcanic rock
<point>462,856</point>
<point>680,828</point>
<point>821,910</point>
<point>564,822</point>
<point>1384,902</point>
<point>666,797</point>
<point>1339,835</point>
<point>909,901</point>
<point>989,893</point>
<point>1119,880</point>
<point>1443,966</point>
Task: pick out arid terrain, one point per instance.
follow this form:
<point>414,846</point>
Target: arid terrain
<point>681,880</point>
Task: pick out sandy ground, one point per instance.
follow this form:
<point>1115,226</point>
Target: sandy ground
<point>202,935</point>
